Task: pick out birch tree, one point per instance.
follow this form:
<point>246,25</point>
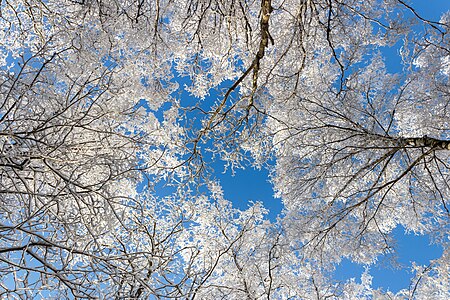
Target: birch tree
<point>92,124</point>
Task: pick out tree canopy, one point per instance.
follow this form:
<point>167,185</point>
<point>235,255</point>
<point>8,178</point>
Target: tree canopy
<point>114,112</point>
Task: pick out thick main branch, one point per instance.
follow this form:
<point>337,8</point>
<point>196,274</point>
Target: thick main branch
<point>426,141</point>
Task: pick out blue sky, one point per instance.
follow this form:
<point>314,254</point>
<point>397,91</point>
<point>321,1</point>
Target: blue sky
<point>431,9</point>
<point>253,185</point>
